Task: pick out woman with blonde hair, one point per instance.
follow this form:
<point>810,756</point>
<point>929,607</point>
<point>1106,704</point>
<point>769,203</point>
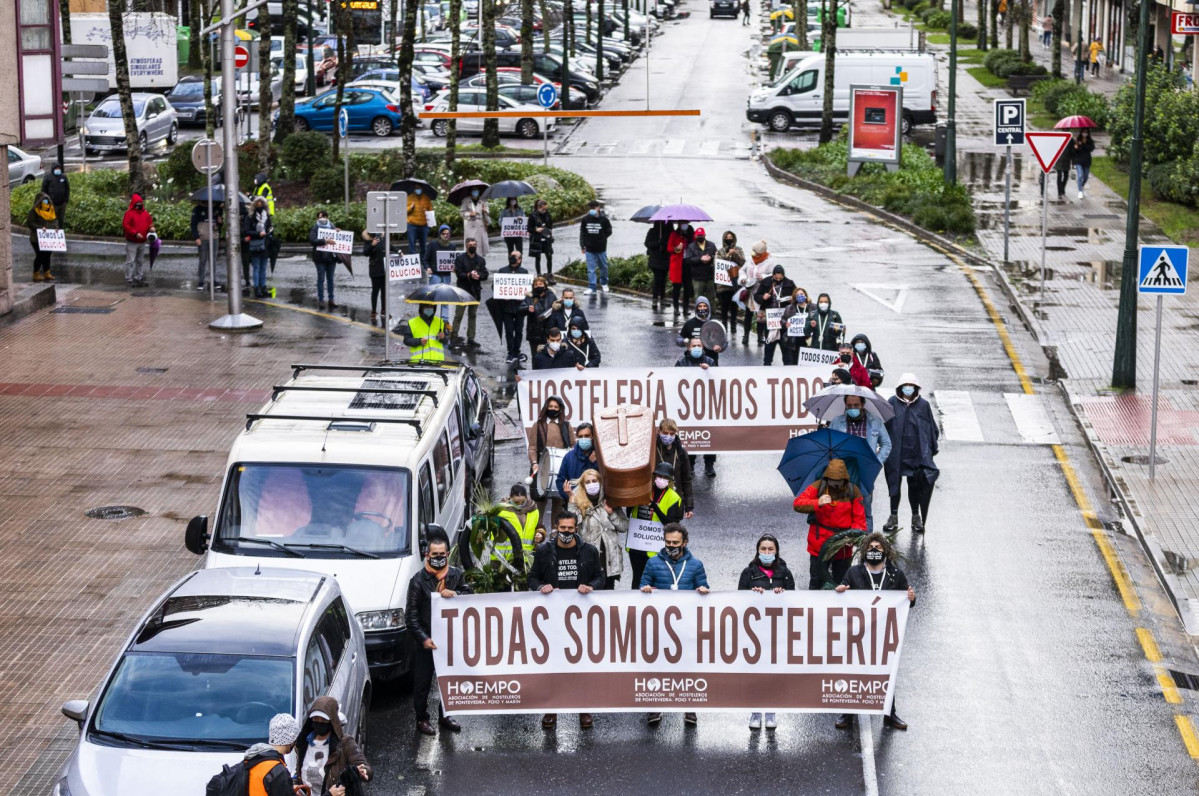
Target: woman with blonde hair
<point>600,525</point>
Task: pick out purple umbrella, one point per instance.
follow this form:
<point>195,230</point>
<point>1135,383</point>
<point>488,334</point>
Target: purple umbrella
<point>680,213</point>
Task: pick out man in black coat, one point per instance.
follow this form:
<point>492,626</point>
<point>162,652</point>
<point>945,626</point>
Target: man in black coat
<point>691,329</point>
<point>58,188</point>
<point>511,317</point>
<point>199,224</point>
<point>556,354</point>
<point>436,576</point>
<point>566,562</point>
<point>877,571</point>
<point>700,259</point>
<point>470,269</point>
<point>772,294</point>
<point>695,357</point>
<point>594,231</point>
<point>566,309</point>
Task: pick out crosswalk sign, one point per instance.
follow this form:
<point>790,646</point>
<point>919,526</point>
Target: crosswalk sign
<point>1163,270</point>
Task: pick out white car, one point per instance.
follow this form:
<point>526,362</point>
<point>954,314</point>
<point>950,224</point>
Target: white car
<point>23,167</point>
<point>392,87</point>
<point>247,87</point>
<point>301,81</point>
<point>196,684</point>
<point>475,99</point>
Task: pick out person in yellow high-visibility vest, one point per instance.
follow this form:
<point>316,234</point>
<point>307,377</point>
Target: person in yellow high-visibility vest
<point>424,335</point>
<point>522,514</point>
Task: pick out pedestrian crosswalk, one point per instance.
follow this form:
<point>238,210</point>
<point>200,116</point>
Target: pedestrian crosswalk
<point>1017,419</point>
<point>670,147</point>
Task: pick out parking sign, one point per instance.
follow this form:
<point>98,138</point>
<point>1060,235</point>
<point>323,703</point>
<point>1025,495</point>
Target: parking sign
<point>1009,122</point>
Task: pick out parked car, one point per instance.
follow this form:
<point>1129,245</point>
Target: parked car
<point>435,77</point>
<point>371,111</point>
<point>104,130</point>
<point>247,87</point>
<point>187,98</point>
<point>420,87</point>
<point>23,167</point>
<point>301,81</point>
<point>475,99</point>
<point>547,64</point>
<point>196,684</point>
<point>434,56</point>
<point>724,8</point>
<point>392,88</point>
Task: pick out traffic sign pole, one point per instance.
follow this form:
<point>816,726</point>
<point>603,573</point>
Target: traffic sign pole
<point>1009,132</point>
<point>1044,227</point>
<point>387,284</point>
<point>1157,355</point>
<point>211,226</point>
<point>547,95</point>
<point>1161,271</point>
<point>1007,205</point>
<point>343,124</point>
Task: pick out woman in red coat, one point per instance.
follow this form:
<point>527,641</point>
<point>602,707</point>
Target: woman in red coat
<point>679,281</point>
<point>834,505</point>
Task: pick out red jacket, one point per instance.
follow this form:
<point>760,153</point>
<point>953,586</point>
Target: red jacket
<point>831,518</point>
<point>137,223</point>
<point>676,258</point>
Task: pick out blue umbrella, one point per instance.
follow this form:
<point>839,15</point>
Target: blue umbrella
<point>806,457</point>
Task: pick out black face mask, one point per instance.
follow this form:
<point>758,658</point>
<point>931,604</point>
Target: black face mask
<point>845,357</point>
<point>552,413</point>
<point>540,291</point>
<point>728,244</point>
<point>875,556</point>
<point>471,249</point>
<point>675,552</point>
<point>437,562</point>
<point>566,539</point>
<point>513,262</point>
<point>321,728</point>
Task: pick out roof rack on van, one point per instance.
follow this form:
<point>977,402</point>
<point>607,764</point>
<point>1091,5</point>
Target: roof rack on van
<point>253,418</point>
<point>282,388</point>
<point>403,367</point>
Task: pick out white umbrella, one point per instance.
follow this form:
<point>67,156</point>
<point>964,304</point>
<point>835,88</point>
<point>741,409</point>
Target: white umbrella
<point>830,402</point>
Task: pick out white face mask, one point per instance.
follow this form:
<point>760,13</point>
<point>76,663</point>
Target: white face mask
<point>824,306</point>
<point>593,488</point>
<point>554,345</point>
<point>661,483</point>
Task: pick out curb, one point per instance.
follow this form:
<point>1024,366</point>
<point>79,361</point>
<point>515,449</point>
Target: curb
<point>29,300</point>
<point>1186,606</point>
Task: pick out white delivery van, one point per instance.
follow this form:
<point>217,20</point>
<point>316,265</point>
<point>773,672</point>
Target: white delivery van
<point>797,98</point>
<point>344,472</point>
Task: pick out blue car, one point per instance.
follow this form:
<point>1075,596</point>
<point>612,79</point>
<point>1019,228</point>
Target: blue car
<point>371,111</point>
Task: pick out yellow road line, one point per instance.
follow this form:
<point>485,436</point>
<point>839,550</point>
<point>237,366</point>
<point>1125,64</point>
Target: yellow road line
<point>1149,645</point>
<point>1169,690</point>
<point>1080,494</point>
<point>1127,593</point>
<point>1187,730</point>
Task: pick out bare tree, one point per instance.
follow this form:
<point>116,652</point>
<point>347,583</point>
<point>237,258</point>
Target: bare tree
<point>491,127</point>
<point>265,80</point>
<point>393,12</point>
<point>210,111</point>
<point>599,41</point>
<point>64,14</point>
<point>526,41</point>
<point>994,24</point>
<point>286,125</point>
<point>407,120</point>
<point>828,41</point>
<point>451,128</point>
<point>116,20</point>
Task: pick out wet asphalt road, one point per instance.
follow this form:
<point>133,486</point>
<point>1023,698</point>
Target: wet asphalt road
<point>1021,670</point>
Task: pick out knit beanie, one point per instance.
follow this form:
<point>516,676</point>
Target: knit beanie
<point>284,730</point>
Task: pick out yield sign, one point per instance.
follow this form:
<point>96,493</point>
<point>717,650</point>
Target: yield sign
<point>1047,147</point>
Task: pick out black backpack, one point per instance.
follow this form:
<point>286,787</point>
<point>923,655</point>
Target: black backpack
<point>232,781</point>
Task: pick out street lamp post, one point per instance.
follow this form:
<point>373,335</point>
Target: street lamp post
<point>1124,362</point>
<point>951,155</point>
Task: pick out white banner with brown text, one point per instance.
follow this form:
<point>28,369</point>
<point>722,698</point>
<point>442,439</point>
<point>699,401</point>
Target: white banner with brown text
<point>626,651</point>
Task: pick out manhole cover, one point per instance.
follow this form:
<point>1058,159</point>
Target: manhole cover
<point>114,512</point>
<point>1142,459</point>
<point>152,371</point>
<point>82,310</point>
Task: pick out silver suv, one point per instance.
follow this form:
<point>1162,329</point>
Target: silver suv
<point>104,130</point>
<point>197,683</point>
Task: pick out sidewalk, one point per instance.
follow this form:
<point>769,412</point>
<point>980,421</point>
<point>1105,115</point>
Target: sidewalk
<point>116,399</point>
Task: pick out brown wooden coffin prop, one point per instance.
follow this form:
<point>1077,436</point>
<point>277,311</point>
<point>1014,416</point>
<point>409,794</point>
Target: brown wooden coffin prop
<point>625,443</point>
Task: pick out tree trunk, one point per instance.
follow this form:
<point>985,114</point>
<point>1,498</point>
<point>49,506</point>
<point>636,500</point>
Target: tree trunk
<point>982,25</point>
<point>994,24</point>
<point>265,80</point>
<point>451,129</point>
<point>287,102</point>
<point>491,127</point>
<point>210,110</point>
<point>345,63</point>
<point>599,42</point>
<point>116,20</point>
<point>1025,20</point>
<point>1059,15</point>
<point>526,41</point>
<point>199,18</point>
<point>392,22</point>
<point>1007,23</point>
<point>570,21</point>
<point>408,121</point>
<point>801,23</point>
<point>624,6</point>
<point>828,41</point>
<point>567,44</point>
<point>64,14</point>
<point>545,27</point>
<point>587,31</point>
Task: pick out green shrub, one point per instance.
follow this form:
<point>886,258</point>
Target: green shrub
<point>1043,88</point>
<point>328,184</point>
<point>303,153</point>
<point>992,59</point>
<point>920,7</point>
<point>1084,103</point>
<point>938,20</point>
<point>1171,119</point>
<point>1176,181</point>
<point>177,174</point>
<point>627,272</point>
<point>966,31</point>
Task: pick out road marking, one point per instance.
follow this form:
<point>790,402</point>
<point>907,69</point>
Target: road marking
<point>1187,730</point>
<point>1127,593</point>
<point>642,147</point>
<point>1032,419</point>
<point>958,417</point>
<point>866,741</point>
<point>1145,636</point>
<point>709,148</point>
<point>674,147</point>
<point>606,149</point>
<point>423,759</point>
<point>1169,690</point>
<point>895,304</point>
<point>570,147</point>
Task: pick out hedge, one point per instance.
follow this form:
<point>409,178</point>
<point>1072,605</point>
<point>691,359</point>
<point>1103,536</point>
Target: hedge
<point>1063,98</point>
<point>1171,119</point>
<point>917,190</point>
<point>627,272</point>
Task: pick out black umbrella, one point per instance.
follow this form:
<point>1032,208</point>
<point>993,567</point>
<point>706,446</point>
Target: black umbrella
<point>463,189</point>
<point>495,308</point>
<point>506,189</point>
<point>410,184</point>
<point>440,293</point>
<point>643,215</point>
<point>218,194</point>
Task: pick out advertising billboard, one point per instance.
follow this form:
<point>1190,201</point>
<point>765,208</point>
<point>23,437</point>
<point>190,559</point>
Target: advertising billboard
<point>875,125</point>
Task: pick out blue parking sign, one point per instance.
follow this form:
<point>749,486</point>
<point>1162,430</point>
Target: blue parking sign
<point>547,95</point>
<point>1163,270</point>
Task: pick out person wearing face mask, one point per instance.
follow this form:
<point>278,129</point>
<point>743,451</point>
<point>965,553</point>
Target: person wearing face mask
<point>669,449</point>
<point>470,271</point>
<point>476,218</point>
<point>324,260</point>
<point>419,205</point>
<point>600,525</point>
<point>700,258</point>
<point>767,572</point>
<point>556,354</point>
<point>877,571</point>
<point>550,431</point>
<point>657,256</point>
<point>594,231</point>
<point>512,209</point>
<point>436,576</point>
<point>541,239</point>
<point>695,357</point>
<point>326,755</point>
<point>256,234</point>
<point>540,300</point>
<point>824,325</point>
<point>724,293</point>
<point>424,335</point>
<point>41,216</point>
<point>791,343</point>
<point>690,330</point>
<point>523,517</point>
<point>137,226</point>
<point>833,504</point>
<point>199,233</point>
<point>577,460</point>
<point>865,368</point>
<point>566,562</point>
<point>773,294</point>
<point>665,507</point>
<point>582,343</point>
<point>266,763</point>
<point>512,312</point>
<point>757,270</point>
<point>674,569</point>
<point>914,443</point>
<point>839,376</point>
<point>374,251</point>
<point>679,272</point>
<point>857,422</point>
<point>56,186</point>
<point>566,310</point>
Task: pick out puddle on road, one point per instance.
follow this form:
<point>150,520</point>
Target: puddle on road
<point>1105,274</point>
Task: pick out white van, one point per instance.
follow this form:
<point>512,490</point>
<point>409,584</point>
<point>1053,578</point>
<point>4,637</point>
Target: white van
<point>797,99</point>
<point>344,472</point>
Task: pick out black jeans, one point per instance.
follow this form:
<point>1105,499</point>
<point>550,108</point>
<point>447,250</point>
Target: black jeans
<point>41,262</point>
<point>817,570</point>
<point>685,287</point>
<point>610,582</point>
<point>515,245</point>
<point>709,461</point>
<point>659,284</point>
<point>549,262</point>
<point>422,682</point>
<point>638,558</point>
<point>769,358</point>
<point>514,326</point>
<point>919,496</point>
<point>729,308</point>
<point>790,352</point>
<point>379,293</point>
<point>1063,179</point>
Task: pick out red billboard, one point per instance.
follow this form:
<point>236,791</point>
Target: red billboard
<point>875,123</point>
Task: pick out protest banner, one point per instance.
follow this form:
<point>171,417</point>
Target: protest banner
<point>798,651</point>
<point>644,535</point>
<point>796,325</point>
<point>774,319</point>
<point>403,266</point>
<point>719,410</point>
<point>341,241</point>
<point>511,286</point>
<point>514,228</point>
<point>51,240</point>
<point>722,272</point>
<point>445,261</point>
